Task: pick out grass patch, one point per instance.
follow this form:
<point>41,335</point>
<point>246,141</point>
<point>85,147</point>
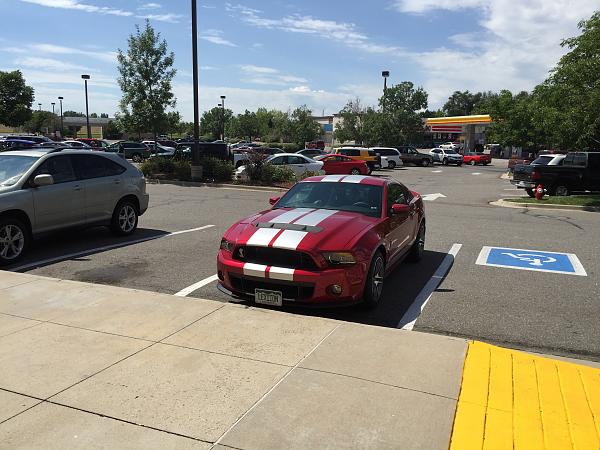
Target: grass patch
<point>576,200</point>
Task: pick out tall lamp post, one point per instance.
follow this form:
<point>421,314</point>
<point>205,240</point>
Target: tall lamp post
<point>195,78</point>
<point>40,106</point>
<point>385,74</point>
<point>87,113</point>
<point>53,119</point>
<point>60,99</point>
<point>223,117</point>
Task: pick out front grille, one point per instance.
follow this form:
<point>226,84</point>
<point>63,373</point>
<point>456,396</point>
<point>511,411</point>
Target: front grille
<point>277,257</point>
<point>288,291</point>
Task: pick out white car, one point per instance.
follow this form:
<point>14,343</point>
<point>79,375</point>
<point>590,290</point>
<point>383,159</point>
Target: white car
<point>549,160</point>
<point>77,144</point>
<point>446,156</point>
<point>299,164</point>
<point>155,147</point>
<point>391,154</point>
<point>450,146</point>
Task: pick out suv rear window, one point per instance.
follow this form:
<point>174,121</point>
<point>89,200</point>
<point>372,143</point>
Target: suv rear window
<point>93,166</point>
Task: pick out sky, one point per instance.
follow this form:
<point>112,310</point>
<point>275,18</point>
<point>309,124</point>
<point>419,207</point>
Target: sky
<point>282,54</point>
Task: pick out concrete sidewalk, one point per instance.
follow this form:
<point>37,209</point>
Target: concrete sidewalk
<point>90,366</point>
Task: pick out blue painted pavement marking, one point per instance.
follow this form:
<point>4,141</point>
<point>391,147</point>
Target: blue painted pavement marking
<point>515,258</point>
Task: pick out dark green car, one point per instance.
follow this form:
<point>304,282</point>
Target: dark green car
<point>136,151</point>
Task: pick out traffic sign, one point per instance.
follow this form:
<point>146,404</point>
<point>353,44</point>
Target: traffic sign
<point>515,258</point>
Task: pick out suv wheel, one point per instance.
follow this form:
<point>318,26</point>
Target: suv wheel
<point>530,192</point>
<point>374,283</point>
<point>355,172</point>
<point>425,162</point>
<point>14,239</point>
<point>136,157</point>
<point>445,161</point>
<point>125,218</point>
<point>391,164</point>
<point>561,190</point>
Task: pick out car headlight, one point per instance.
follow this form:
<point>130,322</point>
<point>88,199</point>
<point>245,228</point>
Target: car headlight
<point>339,258</point>
<point>226,245</point>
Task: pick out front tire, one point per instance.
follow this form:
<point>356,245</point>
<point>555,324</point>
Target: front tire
<point>136,157</point>
<point>374,283</point>
<point>472,162</point>
<point>445,161</point>
<point>392,165</point>
<point>355,172</point>
<point>418,248</point>
<point>530,192</point>
<point>425,163</point>
<point>14,240</point>
<point>125,218</point>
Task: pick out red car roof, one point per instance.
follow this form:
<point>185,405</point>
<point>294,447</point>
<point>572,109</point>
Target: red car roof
<point>362,179</point>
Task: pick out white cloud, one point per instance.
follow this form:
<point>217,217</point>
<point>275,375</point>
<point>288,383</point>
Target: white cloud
<point>216,37</point>
<point>49,64</point>
<point>170,17</point>
<point>106,56</point>
<point>519,42</point>
<point>75,5</point>
<point>341,32</point>
<point>268,76</point>
<point>150,6</point>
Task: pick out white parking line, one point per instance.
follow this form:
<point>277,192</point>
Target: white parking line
<point>476,173</point>
<point>410,317</point>
<point>194,287</point>
<point>436,171</point>
<point>45,262</point>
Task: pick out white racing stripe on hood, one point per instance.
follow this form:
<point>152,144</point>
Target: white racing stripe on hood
<point>281,273</point>
<point>255,270</point>
<point>332,178</point>
<point>262,236</point>
<point>290,239</point>
<point>290,216</point>
<point>353,178</point>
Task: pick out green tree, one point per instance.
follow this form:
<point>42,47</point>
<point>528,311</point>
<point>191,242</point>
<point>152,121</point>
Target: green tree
<point>40,122</point>
<point>568,102</point>
<point>112,131</point>
<point>104,116</point>
<point>93,116</point>
<point>401,109</point>
<point>464,103</point>
<point>211,122</point>
<point>351,125</point>
<point>304,127</point>
<point>15,99</point>
<point>248,125</point>
<point>146,73</point>
<point>70,113</point>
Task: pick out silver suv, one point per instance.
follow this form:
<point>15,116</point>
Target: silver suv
<point>46,190</point>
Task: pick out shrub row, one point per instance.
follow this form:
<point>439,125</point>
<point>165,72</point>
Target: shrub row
<point>214,170</point>
<point>288,147</point>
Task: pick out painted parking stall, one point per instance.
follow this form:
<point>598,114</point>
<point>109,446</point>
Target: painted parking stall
<point>534,260</point>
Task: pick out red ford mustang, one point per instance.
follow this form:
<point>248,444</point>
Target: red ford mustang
<point>342,165</point>
<point>329,240</point>
<point>477,158</point>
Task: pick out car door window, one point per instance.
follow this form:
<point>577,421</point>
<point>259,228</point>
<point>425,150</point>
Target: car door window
<point>296,160</point>
<point>59,167</point>
<point>395,195</point>
<point>91,166</point>
<point>278,161</point>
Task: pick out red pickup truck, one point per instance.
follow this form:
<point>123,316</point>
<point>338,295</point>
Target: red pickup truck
<point>477,158</point>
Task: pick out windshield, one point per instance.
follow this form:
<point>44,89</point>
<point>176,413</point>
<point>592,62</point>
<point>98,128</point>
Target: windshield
<point>450,152</point>
<point>352,197</point>
<point>12,168</point>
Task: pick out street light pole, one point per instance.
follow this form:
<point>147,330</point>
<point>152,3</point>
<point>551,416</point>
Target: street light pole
<point>40,106</point>
<point>87,112</point>
<point>195,76</point>
<point>385,74</point>
<point>223,117</point>
<point>53,119</point>
<point>60,99</point>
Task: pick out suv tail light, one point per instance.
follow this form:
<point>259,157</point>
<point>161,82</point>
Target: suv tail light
<point>535,175</point>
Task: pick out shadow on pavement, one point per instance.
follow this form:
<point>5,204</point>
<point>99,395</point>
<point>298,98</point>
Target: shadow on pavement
<point>401,288</point>
<point>76,244</point>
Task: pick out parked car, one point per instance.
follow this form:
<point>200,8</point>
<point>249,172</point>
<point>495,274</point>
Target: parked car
<point>451,146</point>
<point>156,147</point>
<point>31,137</point>
<point>46,190</point>
<point>446,156</point>
<point>135,151</point>
<point>542,160</point>
<point>342,165</point>
<point>477,158</point>
<point>513,162</point>
<point>15,144</point>
<point>167,143</point>
<point>76,144</point>
<point>329,240</point>
<point>311,152</point>
<point>96,144</point>
<point>411,155</point>
<point>315,144</point>
<point>369,156</point>
<point>297,163</point>
<point>579,172</point>
<point>392,154</point>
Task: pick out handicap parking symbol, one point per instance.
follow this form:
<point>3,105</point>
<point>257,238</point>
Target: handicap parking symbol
<point>514,258</point>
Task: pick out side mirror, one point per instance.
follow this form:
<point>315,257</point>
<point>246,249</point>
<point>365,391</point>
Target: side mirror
<point>274,200</point>
<point>43,180</point>
<point>398,208</point>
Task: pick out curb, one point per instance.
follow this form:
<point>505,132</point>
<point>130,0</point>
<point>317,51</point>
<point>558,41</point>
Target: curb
<point>215,185</point>
<point>506,204</point>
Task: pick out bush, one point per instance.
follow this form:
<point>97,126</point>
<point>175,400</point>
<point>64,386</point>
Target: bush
<point>171,169</point>
<point>217,170</point>
<point>308,174</point>
<point>182,170</point>
<point>287,147</point>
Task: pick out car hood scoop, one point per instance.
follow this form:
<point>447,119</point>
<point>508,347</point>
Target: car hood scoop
<point>289,226</point>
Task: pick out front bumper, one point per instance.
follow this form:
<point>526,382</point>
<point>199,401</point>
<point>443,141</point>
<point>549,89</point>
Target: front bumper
<point>298,287</point>
<point>523,184</point>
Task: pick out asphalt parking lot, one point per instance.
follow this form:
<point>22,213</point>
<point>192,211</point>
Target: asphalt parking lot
<point>175,248</point>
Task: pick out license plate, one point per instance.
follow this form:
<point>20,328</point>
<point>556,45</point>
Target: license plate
<point>266,297</point>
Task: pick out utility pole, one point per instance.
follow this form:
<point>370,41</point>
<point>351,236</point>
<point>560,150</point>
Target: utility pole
<point>87,113</point>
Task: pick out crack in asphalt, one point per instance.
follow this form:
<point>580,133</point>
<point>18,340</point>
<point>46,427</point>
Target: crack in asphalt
<point>563,219</point>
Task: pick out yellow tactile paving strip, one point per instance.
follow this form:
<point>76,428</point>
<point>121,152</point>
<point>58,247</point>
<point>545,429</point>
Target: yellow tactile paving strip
<point>515,400</point>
